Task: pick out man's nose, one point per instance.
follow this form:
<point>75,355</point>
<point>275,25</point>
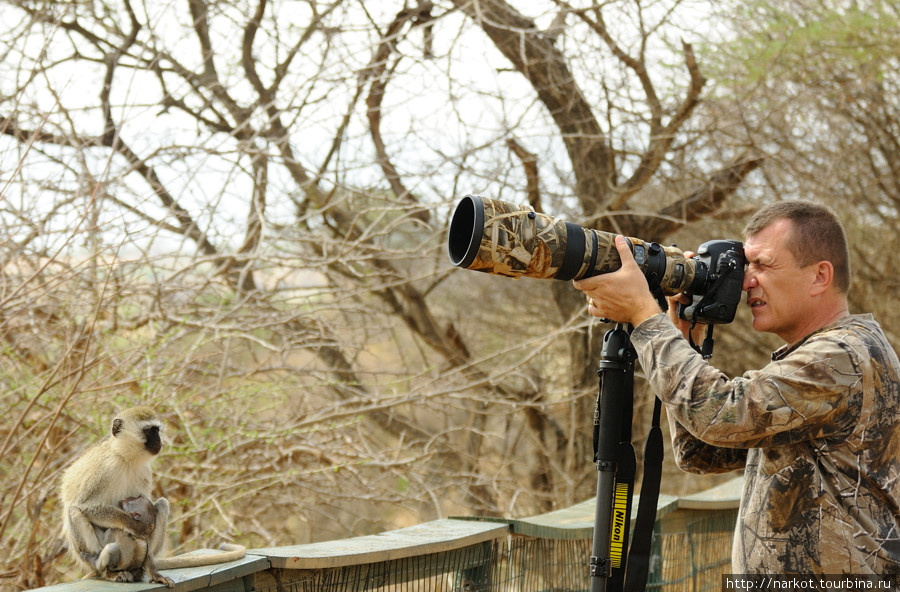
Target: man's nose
<point>749,280</point>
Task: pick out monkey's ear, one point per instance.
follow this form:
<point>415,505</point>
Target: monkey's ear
<point>117,426</point>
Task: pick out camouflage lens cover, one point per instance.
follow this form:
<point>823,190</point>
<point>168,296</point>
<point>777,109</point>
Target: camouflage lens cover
<point>513,240</point>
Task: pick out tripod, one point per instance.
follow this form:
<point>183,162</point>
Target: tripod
<point>616,467</point>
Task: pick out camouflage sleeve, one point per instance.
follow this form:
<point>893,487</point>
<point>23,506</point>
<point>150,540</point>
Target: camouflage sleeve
<point>814,392</point>
<point>696,456</point>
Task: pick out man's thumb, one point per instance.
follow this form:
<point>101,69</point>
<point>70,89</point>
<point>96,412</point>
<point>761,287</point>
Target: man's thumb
<point>625,253</point>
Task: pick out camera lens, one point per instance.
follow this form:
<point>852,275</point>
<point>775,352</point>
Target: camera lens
<point>466,230</point>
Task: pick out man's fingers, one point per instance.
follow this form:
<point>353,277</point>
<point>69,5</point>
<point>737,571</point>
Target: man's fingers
<point>625,253</point>
<point>680,297</point>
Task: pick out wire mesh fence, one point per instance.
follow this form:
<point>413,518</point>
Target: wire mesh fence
<point>688,556</point>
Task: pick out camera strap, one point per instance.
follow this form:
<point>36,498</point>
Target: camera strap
<point>638,568</point>
<point>657,291</point>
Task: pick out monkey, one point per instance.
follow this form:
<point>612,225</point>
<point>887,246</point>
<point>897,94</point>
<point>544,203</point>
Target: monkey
<point>126,557</point>
<point>129,557</point>
<point>118,468</point>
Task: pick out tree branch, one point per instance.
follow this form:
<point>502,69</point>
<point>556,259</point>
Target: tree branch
<point>529,163</point>
<point>697,205</point>
<point>112,61</point>
<point>377,72</point>
<point>544,65</point>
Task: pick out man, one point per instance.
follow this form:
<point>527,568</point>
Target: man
<point>817,430</point>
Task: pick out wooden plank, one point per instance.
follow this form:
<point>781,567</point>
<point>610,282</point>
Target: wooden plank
<point>97,585</point>
<point>186,580</point>
<point>196,578</point>
<point>421,539</point>
<point>725,496</point>
<point>575,522</point>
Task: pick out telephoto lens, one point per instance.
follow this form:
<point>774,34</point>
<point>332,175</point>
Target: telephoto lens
<point>512,240</point>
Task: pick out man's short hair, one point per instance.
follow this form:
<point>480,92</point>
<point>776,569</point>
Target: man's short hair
<point>817,235</point>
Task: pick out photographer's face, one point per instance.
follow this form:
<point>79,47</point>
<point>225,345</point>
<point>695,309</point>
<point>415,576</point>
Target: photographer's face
<point>778,289</point>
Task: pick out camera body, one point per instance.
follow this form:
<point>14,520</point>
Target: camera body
<point>720,272</point>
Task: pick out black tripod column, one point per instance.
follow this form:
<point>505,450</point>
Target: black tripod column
<point>615,460</point>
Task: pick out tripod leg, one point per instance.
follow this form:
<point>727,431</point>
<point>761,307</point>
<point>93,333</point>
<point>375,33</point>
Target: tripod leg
<point>613,454</point>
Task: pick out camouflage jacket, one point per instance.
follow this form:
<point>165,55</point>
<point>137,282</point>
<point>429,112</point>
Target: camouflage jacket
<point>817,432</point>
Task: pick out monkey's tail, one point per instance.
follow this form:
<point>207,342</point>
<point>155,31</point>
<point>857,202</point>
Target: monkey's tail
<point>229,553</point>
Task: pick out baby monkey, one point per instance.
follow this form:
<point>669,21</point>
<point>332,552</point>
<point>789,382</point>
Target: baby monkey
<point>126,557</point>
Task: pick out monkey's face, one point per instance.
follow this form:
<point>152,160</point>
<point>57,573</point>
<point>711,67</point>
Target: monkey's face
<point>138,432</point>
<point>140,509</point>
<point>152,441</point>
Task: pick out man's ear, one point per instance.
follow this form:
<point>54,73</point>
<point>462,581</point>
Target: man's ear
<point>824,277</point>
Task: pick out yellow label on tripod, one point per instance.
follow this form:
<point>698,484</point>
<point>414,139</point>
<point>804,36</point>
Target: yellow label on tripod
<point>619,527</point>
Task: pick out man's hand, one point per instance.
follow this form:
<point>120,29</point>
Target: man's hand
<point>685,326</point>
<point>699,331</point>
<point>623,295</point>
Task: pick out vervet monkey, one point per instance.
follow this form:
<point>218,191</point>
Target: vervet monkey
<point>115,469</point>
<point>126,557</point>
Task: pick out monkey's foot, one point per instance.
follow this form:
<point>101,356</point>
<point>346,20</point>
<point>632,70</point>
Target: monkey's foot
<point>161,579</point>
<point>118,576</point>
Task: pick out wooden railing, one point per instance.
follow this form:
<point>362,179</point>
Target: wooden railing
<point>691,551</point>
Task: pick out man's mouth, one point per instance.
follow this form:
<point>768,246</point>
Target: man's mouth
<point>756,302</point>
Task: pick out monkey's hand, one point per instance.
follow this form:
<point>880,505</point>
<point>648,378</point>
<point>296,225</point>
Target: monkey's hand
<point>158,578</point>
<point>103,516</point>
<point>162,506</point>
<point>141,530</point>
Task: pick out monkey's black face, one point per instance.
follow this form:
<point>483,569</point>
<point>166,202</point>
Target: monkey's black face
<point>152,441</point>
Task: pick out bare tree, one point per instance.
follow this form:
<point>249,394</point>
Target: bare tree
<point>236,210</point>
